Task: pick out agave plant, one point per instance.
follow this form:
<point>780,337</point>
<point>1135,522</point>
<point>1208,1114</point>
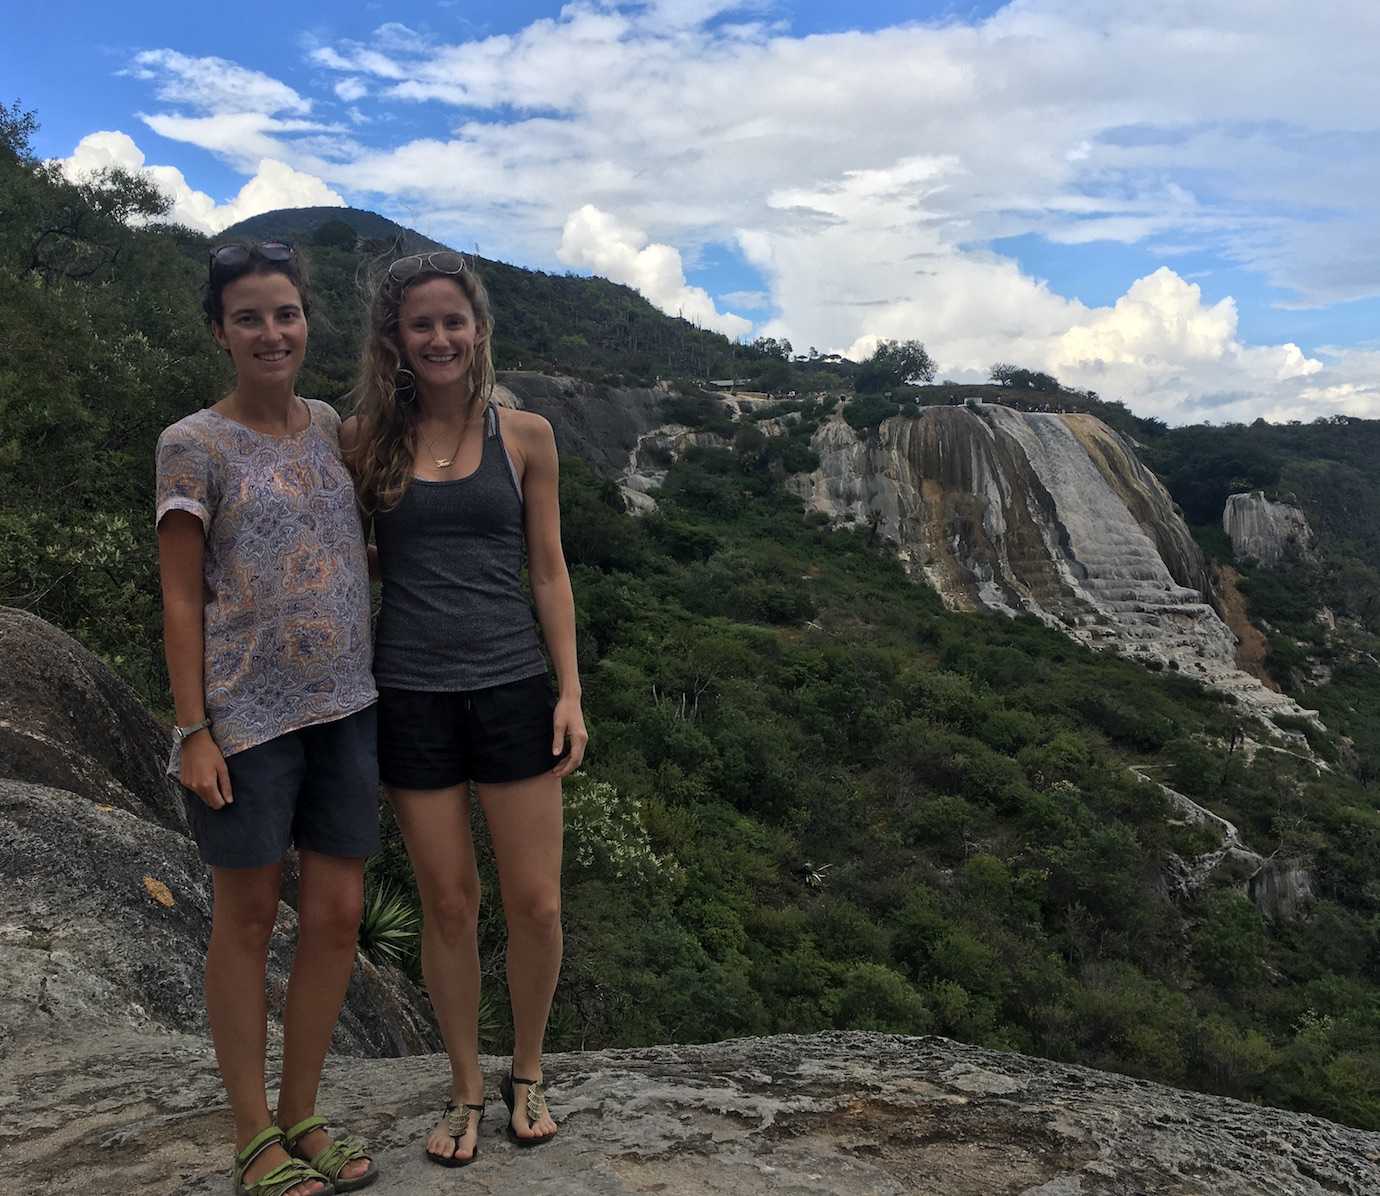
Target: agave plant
<point>388,926</point>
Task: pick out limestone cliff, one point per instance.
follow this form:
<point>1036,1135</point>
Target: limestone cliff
<point>1042,514</point>
<point>1263,530</point>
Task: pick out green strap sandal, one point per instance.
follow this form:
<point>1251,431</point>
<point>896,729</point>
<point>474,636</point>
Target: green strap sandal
<point>282,1178</point>
<point>334,1159</point>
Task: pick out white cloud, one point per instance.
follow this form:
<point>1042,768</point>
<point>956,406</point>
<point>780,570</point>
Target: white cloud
<point>748,300</point>
<point>274,185</point>
<point>245,138</point>
<point>596,241</point>
<point>351,89</point>
<point>214,84</point>
<point>864,174</point>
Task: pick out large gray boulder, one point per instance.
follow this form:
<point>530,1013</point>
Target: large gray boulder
<point>68,722</point>
<point>105,920</point>
<point>105,906</point>
<point>852,1114</point>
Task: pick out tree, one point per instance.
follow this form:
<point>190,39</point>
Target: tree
<point>769,346</point>
<point>1002,373</point>
<point>776,377</point>
<point>17,129</point>
<point>335,234</point>
<point>895,363</point>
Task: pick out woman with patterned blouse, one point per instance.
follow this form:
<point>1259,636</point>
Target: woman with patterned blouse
<point>266,626</point>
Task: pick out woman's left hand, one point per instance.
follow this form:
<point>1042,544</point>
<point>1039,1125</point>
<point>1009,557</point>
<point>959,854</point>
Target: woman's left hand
<point>569,724</point>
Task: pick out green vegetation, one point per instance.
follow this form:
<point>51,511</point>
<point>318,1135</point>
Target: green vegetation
<point>390,925</point>
<point>866,811</point>
<point>815,799</point>
<point>894,364</point>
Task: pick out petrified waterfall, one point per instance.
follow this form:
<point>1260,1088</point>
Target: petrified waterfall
<point>1042,514</point>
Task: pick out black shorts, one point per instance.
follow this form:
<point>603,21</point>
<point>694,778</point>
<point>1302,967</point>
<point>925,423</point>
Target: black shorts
<point>434,740</point>
<point>317,787</point>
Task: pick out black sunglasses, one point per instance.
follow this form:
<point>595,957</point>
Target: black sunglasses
<point>443,261</point>
<point>232,257</point>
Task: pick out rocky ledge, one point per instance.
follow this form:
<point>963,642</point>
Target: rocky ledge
<point>846,1113</point>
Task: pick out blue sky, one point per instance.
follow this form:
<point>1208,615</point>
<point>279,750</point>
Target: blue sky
<point>1166,202</point>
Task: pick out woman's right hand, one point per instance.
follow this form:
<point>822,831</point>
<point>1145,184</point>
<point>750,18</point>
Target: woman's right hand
<point>204,771</point>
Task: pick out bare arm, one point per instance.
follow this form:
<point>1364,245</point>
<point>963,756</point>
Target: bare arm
<point>181,545</point>
<point>551,586</point>
<point>349,434</point>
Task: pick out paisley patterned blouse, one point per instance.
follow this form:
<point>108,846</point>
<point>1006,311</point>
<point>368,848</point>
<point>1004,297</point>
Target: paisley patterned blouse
<point>287,585</point>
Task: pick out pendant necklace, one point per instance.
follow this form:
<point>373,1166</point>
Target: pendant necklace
<point>446,462</point>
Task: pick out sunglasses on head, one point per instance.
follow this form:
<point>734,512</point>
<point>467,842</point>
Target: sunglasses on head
<point>443,261</point>
<point>232,257</point>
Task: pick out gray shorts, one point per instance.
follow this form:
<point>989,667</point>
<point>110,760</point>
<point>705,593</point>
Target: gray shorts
<point>317,788</point>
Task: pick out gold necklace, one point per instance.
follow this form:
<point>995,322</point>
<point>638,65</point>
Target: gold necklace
<point>446,462</point>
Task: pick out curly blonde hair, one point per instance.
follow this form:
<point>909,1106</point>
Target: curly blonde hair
<point>382,458</point>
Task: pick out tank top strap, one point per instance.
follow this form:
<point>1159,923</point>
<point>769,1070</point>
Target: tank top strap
<point>492,418</point>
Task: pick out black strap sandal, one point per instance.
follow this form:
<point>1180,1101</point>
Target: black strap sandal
<point>535,1107</point>
<point>457,1126</point>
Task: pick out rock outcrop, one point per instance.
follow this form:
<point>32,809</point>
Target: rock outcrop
<point>68,722</point>
<point>1041,514</point>
<point>1263,530</point>
<point>105,907</point>
<point>1281,889</point>
<point>830,1113</point>
<point>653,455</point>
<point>599,424</point>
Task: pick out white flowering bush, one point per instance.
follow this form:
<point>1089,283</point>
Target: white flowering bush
<point>604,833</point>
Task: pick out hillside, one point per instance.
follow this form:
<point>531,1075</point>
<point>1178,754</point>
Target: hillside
<point>817,799</point>
<point>302,224</point>
<point>588,327</point>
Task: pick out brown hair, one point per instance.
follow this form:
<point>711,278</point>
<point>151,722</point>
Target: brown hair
<point>293,268</point>
<point>385,398</point>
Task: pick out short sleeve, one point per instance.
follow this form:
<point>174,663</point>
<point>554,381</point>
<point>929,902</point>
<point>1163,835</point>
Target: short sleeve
<point>184,476</point>
<point>326,420</point>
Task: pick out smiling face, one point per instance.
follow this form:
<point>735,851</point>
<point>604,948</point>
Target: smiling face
<point>265,329</point>
<point>437,333</point>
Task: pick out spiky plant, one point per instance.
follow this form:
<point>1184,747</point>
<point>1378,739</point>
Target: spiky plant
<point>388,928</point>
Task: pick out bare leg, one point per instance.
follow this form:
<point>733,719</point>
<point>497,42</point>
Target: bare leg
<point>526,827</point>
<point>329,907</point>
<point>436,828</point>
<point>246,904</point>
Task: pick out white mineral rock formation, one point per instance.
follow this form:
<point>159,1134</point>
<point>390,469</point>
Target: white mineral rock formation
<point>1042,514</point>
<point>1264,530</point>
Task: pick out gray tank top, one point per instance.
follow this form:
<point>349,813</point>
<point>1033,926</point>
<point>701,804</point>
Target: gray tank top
<point>454,613</point>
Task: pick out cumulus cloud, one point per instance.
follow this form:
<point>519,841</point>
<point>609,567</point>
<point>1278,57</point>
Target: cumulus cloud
<point>1160,348</point>
<point>274,184</point>
<point>595,240</point>
<point>865,175</point>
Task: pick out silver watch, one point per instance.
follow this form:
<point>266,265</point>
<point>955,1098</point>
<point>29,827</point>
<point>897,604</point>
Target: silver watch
<point>185,733</point>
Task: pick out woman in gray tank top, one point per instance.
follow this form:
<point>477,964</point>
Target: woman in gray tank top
<point>459,496</point>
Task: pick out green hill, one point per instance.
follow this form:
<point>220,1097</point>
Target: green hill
<point>302,224</point>
<point>587,327</point>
